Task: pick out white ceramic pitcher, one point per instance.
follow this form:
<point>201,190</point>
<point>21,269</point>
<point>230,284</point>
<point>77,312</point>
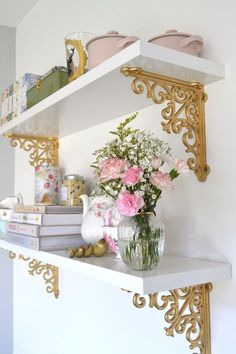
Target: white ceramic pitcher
<point>98,211</point>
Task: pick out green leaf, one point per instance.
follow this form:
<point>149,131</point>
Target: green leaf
<point>123,132</point>
<point>173,174</point>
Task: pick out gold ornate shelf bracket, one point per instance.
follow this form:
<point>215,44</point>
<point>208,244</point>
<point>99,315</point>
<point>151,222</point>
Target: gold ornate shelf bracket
<point>42,149</point>
<point>187,311</point>
<point>49,272</point>
<point>184,111</point>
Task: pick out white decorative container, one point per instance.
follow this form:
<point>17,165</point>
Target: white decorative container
<point>47,181</point>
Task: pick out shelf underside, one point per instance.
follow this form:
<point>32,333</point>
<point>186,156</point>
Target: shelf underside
<point>103,93</point>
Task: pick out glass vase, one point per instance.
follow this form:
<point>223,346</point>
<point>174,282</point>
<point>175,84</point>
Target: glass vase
<point>141,241</point>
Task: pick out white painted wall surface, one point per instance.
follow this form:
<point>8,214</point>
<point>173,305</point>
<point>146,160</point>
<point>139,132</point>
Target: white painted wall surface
<point>6,303</point>
<point>7,76</point>
<point>199,217</point>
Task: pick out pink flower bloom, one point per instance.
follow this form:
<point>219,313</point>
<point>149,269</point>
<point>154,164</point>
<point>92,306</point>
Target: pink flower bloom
<point>129,204</point>
<point>46,185</point>
<point>112,168</point>
<point>181,166</point>
<point>156,162</point>
<point>132,176</point>
<point>111,243</point>
<point>109,218</point>
<point>162,181</point>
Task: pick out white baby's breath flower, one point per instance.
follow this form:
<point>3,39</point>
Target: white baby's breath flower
<point>140,149</point>
<point>167,158</point>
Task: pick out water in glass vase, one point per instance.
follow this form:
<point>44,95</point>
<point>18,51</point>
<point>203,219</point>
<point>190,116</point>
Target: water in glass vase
<point>141,241</point>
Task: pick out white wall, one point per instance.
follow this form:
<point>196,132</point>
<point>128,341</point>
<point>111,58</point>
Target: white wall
<point>6,303</point>
<point>199,217</point>
<point>7,76</point>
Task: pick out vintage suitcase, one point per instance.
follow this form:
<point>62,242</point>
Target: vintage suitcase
<point>52,81</point>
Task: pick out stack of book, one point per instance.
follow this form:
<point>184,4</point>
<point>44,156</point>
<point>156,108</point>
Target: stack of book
<point>45,228</point>
<point>14,98</point>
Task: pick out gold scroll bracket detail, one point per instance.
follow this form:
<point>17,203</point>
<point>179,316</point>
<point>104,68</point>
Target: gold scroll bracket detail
<point>184,110</point>
<point>187,311</point>
<point>49,272</point>
<point>42,149</point>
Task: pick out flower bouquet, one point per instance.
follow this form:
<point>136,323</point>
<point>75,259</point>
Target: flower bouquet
<point>130,170</point>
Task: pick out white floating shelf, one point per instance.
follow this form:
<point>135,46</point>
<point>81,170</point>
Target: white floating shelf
<point>173,272</point>
<point>103,93</point>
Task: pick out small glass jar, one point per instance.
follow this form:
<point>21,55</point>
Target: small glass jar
<point>71,189</point>
<point>141,241</point>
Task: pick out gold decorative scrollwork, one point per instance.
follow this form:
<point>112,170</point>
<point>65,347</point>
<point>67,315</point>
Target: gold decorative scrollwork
<point>42,149</point>
<point>50,275</point>
<point>184,111</point>
<point>49,272</point>
<point>12,255</point>
<point>188,311</point>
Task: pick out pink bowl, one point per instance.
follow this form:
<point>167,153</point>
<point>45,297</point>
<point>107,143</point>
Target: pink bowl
<point>179,41</point>
<point>103,47</point>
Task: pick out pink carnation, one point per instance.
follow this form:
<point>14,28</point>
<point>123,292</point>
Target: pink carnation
<point>132,176</point>
<point>181,166</point>
<point>162,181</point>
<point>112,168</point>
<point>129,204</point>
<point>112,245</point>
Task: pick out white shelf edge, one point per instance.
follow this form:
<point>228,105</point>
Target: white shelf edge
<point>184,271</point>
<point>137,52</point>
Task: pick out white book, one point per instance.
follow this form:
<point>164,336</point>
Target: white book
<point>49,243</point>
<point>47,219</point>
<point>48,209</point>
<point>39,231</point>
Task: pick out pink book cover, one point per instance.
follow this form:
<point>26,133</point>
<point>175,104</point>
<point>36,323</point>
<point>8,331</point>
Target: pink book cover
<point>31,230</point>
<point>37,231</point>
